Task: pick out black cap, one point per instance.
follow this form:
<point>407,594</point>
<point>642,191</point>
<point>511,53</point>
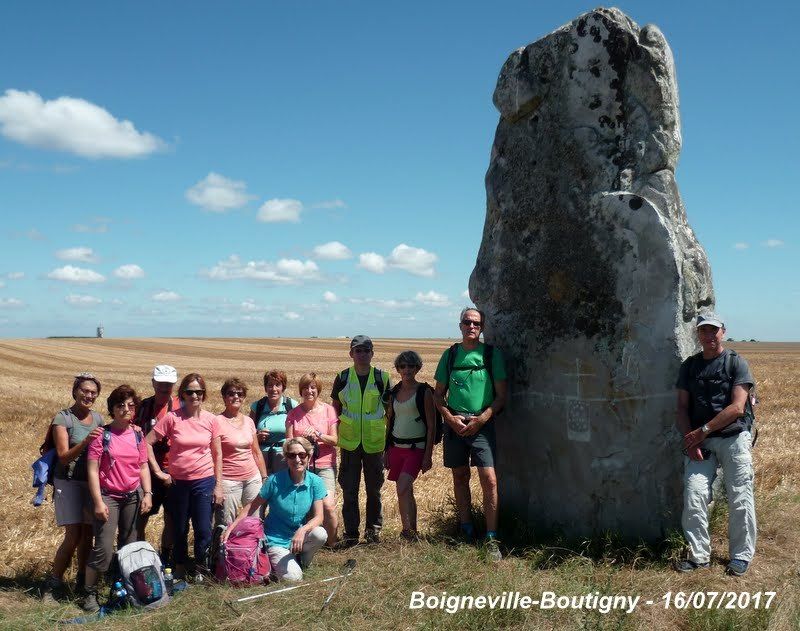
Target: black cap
<point>361,340</point>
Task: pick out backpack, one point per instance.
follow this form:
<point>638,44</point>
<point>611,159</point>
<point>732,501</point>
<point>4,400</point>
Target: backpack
<point>261,404</point>
<point>49,443</point>
<point>379,383</point>
<point>749,416</point>
<point>422,389</point>
<point>142,575</point>
<point>107,443</point>
<point>243,557</point>
<point>488,353</point>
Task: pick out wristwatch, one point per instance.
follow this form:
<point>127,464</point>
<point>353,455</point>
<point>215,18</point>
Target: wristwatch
<point>705,429</point>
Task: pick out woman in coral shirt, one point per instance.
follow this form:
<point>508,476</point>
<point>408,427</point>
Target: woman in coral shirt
<point>195,475</point>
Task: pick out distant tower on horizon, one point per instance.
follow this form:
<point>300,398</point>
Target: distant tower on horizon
<point>100,331</point>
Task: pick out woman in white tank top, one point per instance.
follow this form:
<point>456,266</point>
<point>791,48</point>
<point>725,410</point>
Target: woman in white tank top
<point>410,437</point>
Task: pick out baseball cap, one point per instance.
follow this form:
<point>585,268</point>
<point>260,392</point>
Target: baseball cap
<point>710,318</point>
<point>361,340</point>
<point>165,374</point>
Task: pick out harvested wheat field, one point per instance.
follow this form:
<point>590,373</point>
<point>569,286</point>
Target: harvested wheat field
<point>35,381</point>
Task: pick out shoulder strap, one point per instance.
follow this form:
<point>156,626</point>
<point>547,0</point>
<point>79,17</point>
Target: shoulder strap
<point>260,405</point>
<point>68,422</point>
<point>106,444</point>
<point>287,404</point>
<point>379,384</point>
<point>422,389</point>
<point>451,359</point>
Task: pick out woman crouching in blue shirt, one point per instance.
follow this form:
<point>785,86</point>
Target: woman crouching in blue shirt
<point>290,496</point>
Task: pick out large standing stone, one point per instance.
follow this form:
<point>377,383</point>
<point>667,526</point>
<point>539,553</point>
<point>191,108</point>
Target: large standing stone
<point>590,276</point>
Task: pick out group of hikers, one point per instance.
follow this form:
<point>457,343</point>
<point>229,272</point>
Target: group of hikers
<point>278,458</point>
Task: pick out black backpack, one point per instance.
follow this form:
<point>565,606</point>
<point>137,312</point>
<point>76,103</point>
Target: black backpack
<point>488,352</point>
<point>262,404</point>
<point>379,381</point>
<point>695,366</point>
<point>422,389</point>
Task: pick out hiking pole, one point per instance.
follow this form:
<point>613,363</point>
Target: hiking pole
<point>288,589</point>
<point>349,566</point>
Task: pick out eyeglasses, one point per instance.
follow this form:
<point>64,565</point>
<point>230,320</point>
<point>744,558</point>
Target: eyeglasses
<point>199,393</point>
<point>302,455</point>
<point>126,406</point>
<point>235,394</point>
<point>470,323</point>
<point>88,393</point>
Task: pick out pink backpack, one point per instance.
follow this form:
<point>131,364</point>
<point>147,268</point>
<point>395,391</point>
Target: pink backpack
<point>243,557</point>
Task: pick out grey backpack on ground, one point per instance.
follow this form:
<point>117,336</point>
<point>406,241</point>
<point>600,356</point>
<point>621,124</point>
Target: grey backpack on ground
<point>143,575</point>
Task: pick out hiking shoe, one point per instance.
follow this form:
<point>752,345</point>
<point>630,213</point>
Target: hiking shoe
<point>52,590</point>
<point>687,566</point>
<point>737,567</point>
<point>493,550</point>
<point>372,536</point>
<point>346,542</point>
<point>90,603</point>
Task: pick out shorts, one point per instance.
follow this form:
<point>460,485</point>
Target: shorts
<point>478,450</point>
<point>328,475</point>
<point>73,503</point>
<point>405,460</point>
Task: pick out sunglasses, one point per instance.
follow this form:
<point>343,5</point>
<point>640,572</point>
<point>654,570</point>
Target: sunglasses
<point>235,393</point>
<point>126,406</point>
<point>302,455</point>
<point>199,393</point>
<point>470,323</point>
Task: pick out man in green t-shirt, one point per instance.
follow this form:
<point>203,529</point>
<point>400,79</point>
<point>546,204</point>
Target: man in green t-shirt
<point>475,395</point>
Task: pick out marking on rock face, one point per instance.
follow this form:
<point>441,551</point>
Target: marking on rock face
<point>578,427</point>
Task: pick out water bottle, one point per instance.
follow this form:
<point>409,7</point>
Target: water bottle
<point>168,580</point>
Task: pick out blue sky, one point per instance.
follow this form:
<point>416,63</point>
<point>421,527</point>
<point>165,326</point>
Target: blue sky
<point>174,168</point>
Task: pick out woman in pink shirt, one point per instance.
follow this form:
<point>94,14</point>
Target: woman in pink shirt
<point>243,468</point>
<point>319,423</point>
<point>119,483</point>
<point>195,474</point>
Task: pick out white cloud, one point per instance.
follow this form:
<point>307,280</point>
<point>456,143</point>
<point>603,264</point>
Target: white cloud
<point>774,243</point>
<point>72,125</point>
<point>82,254</point>
<point>413,260</point>
<point>372,262</point>
<point>382,303</point>
<point>432,299</point>
<point>291,315</point>
<point>15,275</point>
<point>166,296</point>
<point>331,297</point>
<point>332,251</point>
<point>249,306</point>
<point>282,272</point>
<point>218,194</point>
<point>276,210</point>
<point>33,234</point>
<point>77,275</point>
<point>465,294</point>
<point>82,301</point>
<point>129,272</point>
<point>11,303</point>
<point>741,246</point>
<point>100,226</point>
<point>330,204</point>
